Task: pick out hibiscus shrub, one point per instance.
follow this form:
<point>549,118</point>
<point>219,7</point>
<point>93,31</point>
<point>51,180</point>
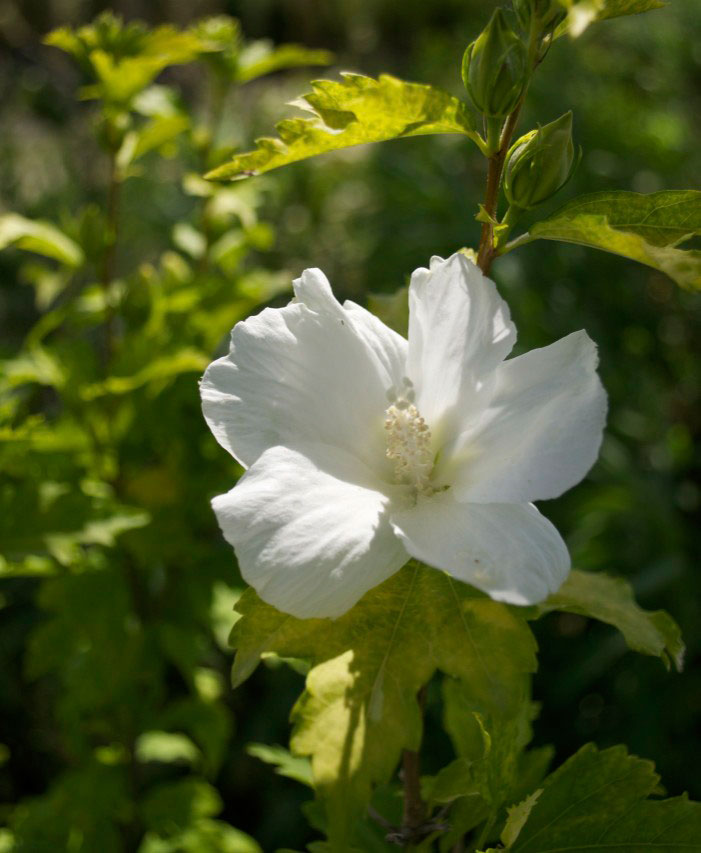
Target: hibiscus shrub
<point>387,459</point>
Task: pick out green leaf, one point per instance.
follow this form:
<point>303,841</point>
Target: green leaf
<point>611,600</point>
<point>59,519</point>
<point>166,747</point>
<point>517,817</point>
<point>284,762</point>
<point>490,742</point>
<point>355,111</point>
<point>581,13</point>
<point>40,237</point>
<point>359,709</point>
<point>179,804</point>
<point>156,133</point>
<point>124,58</point>
<point>597,802</point>
<point>160,369</point>
<point>644,228</point>
<point>261,57</point>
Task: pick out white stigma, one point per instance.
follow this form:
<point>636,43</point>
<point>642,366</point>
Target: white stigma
<point>408,440</point>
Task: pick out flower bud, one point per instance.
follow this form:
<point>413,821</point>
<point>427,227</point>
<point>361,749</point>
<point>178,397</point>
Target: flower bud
<point>495,68</point>
<point>547,13</point>
<point>540,163</point>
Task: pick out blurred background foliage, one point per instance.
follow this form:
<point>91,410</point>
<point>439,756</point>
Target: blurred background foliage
<point>119,730</point>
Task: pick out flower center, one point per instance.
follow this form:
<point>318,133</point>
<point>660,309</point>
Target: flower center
<point>408,440</point>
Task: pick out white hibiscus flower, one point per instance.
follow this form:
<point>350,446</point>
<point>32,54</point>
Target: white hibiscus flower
<point>364,449</point>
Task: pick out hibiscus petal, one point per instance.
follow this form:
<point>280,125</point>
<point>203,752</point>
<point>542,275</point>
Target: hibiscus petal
<point>509,551</point>
<point>542,429</point>
<point>310,530</point>
<point>312,371</point>
<point>459,332</point>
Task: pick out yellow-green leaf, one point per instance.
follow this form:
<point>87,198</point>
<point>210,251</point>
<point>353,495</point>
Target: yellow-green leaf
<point>581,13</point>
<point>262,57</point>
<point>354,111</point>
<point>40,237</point>
<point>359,709</point>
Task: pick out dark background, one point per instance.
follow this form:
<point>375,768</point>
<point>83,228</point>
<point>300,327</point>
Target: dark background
<point>368,217</point>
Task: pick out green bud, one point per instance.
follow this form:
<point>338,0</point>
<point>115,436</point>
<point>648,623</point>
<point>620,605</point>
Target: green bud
<point>540,163</point>
<point>495,68</point>
<point>547,13</point>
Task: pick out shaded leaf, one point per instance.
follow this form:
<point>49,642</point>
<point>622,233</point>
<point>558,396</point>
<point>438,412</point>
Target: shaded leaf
<point>597,801</point>
<point>611,600</point>
<point>352,112</point>
<point>644,228</point>
<point>40,237</point>
<point>284,762</point>
<point>517,817</point>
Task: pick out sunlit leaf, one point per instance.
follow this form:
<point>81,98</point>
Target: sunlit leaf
<point>352,112</point>
<point>124,58</point>
<point>167,747</point>
<point>582,13</point>
<point>262,57</point>
<point>166,367</point>
<point>644,228</point>
<point>611,600</point>
<point>359,709</point>
<point>154,134</point>
<point>40,237</point>
<point>597,801</point>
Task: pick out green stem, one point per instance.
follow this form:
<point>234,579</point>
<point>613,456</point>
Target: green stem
<point>494,128</point>
<point>487,250</point>
<point>521,240</point>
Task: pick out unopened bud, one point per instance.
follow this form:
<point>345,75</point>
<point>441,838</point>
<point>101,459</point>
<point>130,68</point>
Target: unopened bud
<point>495,68</point>
<point>540,163</point>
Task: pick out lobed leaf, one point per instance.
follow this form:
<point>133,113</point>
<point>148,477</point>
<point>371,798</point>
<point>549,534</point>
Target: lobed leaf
<point>644,228</point>
<point>354,111</point>
<point>611,600</point>
<point>359,709</point>
<point>597,802</point>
